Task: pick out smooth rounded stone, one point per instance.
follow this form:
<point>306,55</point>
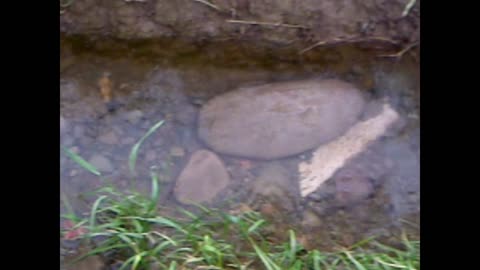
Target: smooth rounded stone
<point>109,138</point>
<point>101,163</point>
<point>202,179</point>
<point>134,116</point>
<point>73,173</point>
<point>279,119</point>
<point>311,219</point>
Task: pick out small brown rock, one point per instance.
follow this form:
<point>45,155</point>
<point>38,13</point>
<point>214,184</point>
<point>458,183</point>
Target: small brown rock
<point>109,138</point>
<point>310,219</point>
<point>202,179</point>
<point>268,209</point>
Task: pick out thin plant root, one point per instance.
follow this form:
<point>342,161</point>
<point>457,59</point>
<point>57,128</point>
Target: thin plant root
<point>336,41</point>
<point>208,4</point>
<point>400,53</point>
<point>268,24</point>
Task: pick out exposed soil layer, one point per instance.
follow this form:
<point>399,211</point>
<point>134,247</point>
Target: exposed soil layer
<point>281,23</point>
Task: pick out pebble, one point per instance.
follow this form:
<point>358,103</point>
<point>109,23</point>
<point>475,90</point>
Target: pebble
<point>268,209</point>
<point>202,179</point>
<point>311,219</point>
<point>177,151</point>
<point>101,163</point>
<point>109,138</point>
<point>134,116</point>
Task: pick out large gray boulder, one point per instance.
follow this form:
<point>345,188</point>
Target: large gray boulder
<point>279,119</point>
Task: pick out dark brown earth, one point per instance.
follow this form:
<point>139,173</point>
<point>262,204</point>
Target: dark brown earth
<point>282,23</point>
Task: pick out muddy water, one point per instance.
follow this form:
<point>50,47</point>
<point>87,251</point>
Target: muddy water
<point>172,85</point>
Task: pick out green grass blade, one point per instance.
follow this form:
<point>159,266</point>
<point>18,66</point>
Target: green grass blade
<point>167,238</point>
<point>316,260</point>
<point>160,247</point>
<point>155,192</point>
<point>67,204</point>
<point>257,224</point>
<point>134,152</point>
<point>166,222</point>
<point>93,213</point>
<point>293,246</point>
<point>390,264</point>
<point>267,262</point>
<point>357,264</point>
<point>298,265</point>
<point>137,259</point>
<point>82,162</point>
<point>188,214</point>
<point>173,266</point>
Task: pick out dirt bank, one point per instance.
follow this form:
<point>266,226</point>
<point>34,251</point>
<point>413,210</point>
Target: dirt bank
<point>293,23</point>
